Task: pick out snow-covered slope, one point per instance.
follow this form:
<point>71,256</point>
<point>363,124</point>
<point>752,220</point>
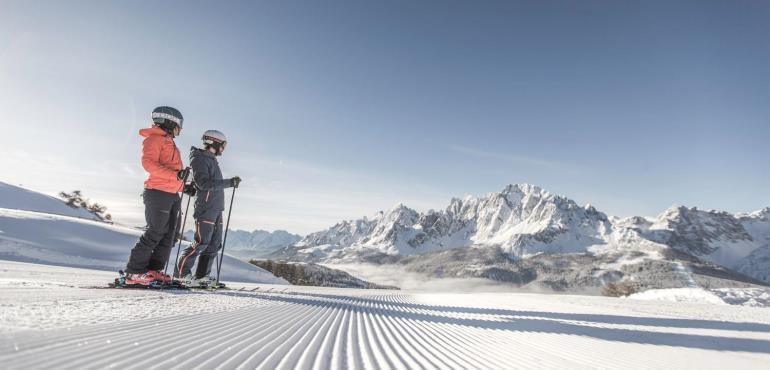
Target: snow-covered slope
<point>756,264</point>
<point>15,197</point>
<point>525,220</point>
<point>752,297</point>
<point>68,241</point>
<point>51,320</point>
<point>42,237</point>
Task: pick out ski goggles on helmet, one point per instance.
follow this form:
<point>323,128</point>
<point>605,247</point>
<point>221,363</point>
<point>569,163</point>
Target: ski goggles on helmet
<point>212,140</point>
<point>160,118</point>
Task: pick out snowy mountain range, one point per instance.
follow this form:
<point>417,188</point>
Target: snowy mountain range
<point>524,221</point>
<point>255,244</point>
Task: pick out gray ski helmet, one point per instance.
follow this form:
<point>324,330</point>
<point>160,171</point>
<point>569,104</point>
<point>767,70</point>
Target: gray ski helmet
<point>167,117</point>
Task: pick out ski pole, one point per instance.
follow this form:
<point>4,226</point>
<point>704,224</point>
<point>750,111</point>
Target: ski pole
<point>216,261</point>
<point>181,236</point>
<point>224,242</point>
<point>184,221</point>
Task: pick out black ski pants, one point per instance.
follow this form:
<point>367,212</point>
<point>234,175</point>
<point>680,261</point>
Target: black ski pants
<point>208,241</point>
<point>161,211</point>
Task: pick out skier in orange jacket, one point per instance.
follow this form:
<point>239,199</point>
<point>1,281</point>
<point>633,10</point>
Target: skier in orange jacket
<point>161,159</point>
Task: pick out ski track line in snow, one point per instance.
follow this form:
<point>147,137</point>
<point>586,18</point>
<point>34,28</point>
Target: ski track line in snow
<point>86,331</point>
<point>124,350</point>
<point>234,331</point>
<point>460,341</point>
<point>130,335</point>
<point>371,328</point>
<point>320,331</point>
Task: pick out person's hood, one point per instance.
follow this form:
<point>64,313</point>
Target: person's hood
<point>152,131</point>
<point>195,152</point>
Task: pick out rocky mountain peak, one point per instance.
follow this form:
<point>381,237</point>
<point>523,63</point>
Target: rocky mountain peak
<point>699,232</point>
<point>522,189</point>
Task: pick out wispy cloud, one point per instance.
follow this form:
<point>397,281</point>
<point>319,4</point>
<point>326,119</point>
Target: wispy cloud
<point>396,275</point>
<point>304,196</point>
<point>504,157</point>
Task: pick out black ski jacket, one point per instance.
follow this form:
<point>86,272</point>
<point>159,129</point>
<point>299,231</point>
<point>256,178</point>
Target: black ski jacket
<point>208,181</point>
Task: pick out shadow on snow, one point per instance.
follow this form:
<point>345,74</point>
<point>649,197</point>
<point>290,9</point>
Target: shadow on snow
<point>547,322</point>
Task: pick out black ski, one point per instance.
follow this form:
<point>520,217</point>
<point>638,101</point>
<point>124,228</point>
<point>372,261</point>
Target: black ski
<point>219,286</point>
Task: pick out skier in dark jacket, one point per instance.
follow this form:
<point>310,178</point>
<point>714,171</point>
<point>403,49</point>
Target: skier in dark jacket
<point>209,204</point>
<point>161,159</point>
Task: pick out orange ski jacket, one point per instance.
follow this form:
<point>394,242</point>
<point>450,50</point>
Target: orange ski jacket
<point>161,159</point>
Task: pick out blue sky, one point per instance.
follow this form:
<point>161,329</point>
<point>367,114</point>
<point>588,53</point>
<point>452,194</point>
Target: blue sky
<point>337,109</point>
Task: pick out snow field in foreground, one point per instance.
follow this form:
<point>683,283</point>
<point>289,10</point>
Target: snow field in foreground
<point>51,319</point>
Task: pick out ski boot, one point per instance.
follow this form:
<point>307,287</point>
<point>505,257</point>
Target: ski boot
<point>160,276</point>
<point>209,282</point>
<point>145,279</point>
<point>188,280</point>
<point>206,282</point>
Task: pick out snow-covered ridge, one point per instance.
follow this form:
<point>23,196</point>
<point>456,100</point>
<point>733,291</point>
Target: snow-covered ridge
<point>68,240</point>
<point>525,220</point>
<point>15,197</point>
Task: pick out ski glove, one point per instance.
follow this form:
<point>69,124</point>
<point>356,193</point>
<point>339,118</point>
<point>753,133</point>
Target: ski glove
<point>235,181</point>
<point>182,175</point>
<point>189,189</point>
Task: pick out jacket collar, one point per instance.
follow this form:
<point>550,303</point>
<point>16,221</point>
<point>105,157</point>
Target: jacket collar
<point>194,152</point>
<point>153,131</point>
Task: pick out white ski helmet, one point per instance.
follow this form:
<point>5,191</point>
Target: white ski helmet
<point>214,139</point>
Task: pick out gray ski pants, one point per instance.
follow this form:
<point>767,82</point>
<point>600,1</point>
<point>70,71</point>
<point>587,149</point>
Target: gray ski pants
<point>208,241</point>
